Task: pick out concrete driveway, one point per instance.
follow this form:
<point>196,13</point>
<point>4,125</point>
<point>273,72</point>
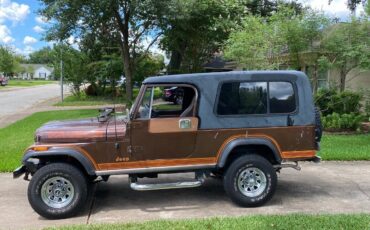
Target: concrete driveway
<point>329,187</point>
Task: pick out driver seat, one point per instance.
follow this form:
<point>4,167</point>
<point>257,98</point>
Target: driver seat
<point>188,112</point>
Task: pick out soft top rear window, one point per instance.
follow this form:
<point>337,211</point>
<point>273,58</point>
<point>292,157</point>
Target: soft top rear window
<point>245,98</point>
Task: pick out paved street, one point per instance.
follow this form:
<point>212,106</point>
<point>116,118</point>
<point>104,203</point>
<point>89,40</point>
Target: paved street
<point>17,103</point>
<point>18,99</point>
<point>329,187</point>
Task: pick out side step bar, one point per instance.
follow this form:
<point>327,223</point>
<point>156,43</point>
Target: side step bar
<point>181,184</point>
<point>287,165</point>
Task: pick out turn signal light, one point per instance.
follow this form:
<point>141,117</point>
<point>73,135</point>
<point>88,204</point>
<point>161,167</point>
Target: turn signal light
<point>40,148</point>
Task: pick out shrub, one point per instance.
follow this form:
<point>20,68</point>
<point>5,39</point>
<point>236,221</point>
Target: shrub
<point>157,93</point>
<point>341,122</point>
<point>331,101</point>
<point>91,90</point>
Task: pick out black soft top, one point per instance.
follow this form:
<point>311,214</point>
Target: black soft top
<point>208,86</point>
<point>195,78</point>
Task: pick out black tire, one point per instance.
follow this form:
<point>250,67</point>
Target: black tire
<point>239,166</point>
<point>64,171</point>
<point>318,125</point>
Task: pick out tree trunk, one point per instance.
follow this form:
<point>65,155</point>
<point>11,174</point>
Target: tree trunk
<point>175,62</point>
<point>314,79</point>
<point>342,83</point>
<point>127,69</point>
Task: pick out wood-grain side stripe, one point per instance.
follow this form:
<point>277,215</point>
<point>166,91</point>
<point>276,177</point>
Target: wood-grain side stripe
<point>158,163</point>
<point>298,154</point>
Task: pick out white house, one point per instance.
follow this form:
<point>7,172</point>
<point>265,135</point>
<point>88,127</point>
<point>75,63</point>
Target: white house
<point>36,71</point>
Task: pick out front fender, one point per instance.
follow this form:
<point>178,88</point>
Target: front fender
<point>245,142</point>
<point>61,152</point>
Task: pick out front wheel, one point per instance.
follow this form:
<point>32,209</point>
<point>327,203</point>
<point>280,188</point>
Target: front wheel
<point>58,190</point>
<point>250,181</point>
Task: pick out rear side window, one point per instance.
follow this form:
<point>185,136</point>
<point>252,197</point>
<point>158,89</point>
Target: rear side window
<point>282,97</point>
<point>243,98</point>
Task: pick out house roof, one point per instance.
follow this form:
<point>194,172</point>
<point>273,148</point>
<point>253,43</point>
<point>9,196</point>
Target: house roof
<point>37,66</point>
<point>218,63</point>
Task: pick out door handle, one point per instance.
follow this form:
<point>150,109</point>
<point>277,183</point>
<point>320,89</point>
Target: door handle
<point>185,123</point>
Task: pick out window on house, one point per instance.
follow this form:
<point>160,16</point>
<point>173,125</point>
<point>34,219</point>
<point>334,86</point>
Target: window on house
<point>322,77</point>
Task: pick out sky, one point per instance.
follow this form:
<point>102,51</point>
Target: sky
<point>22,29</point>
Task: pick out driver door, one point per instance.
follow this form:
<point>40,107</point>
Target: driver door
<point>159,129</point>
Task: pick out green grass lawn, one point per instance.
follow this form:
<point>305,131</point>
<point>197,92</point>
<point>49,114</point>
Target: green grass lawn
<point>275,222</point>
<point>345,147</point>
<point>18,136</point>
<point>25,83</point>
<point>86,101</point>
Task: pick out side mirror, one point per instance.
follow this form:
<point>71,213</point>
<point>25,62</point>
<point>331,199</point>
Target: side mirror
<point>128,114</point>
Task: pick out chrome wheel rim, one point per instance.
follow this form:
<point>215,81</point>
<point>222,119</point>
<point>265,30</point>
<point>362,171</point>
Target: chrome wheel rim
<point>252,182</point>
<point>57,192</point>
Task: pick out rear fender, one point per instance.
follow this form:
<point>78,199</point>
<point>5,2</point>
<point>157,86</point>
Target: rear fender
<point>226,151</point>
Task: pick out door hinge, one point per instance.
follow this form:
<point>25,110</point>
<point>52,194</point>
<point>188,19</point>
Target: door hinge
<point>134,149</point>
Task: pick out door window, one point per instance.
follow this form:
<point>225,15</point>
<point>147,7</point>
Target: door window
<point>144,108</point>
<point>167,101</point>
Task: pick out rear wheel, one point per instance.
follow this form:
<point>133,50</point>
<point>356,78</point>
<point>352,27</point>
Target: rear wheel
<point>58,191</point>
<point>250,181</point>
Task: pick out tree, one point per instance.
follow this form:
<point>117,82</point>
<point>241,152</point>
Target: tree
<point>148,66</point>
<point>194,30</point>
<point>199,28</point>
<point>266,8</point>
<point>283,34</point>
<point>254,45</point>
<point>347,46</point>
<point>7,60</point>
<point>367,8</point>
<point>352,4</point>
<point>42,56</point>
<point>74,65</point>
<point>127,22</point>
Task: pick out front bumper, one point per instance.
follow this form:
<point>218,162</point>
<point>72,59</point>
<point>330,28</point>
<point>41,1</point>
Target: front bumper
<point>19,171</point>
<point>29,166</point>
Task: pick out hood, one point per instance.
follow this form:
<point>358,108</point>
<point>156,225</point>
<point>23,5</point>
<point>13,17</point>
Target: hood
<point>83,130</point>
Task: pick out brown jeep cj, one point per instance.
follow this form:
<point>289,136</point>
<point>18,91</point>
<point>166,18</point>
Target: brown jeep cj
<point>242,127</point>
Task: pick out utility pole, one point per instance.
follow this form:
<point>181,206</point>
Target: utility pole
<point>61,74</point>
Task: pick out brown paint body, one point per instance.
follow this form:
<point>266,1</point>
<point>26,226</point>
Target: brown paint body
<point>161,143</point>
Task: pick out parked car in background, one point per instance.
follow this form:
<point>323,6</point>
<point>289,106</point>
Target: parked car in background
<point>121,81</point>
<point>3,80</point>
<point>173,94</point>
